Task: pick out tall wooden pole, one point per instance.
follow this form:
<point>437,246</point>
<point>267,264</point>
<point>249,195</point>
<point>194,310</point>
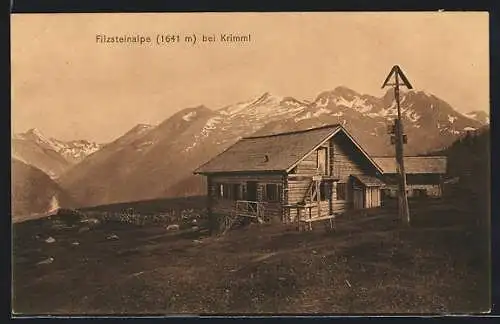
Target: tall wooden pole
<point>399,141</point>
<point>404,212</point>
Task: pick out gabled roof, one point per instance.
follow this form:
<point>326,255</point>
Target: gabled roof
<point>369,181</point>
<point>414,164</point>
<point>277,152</point>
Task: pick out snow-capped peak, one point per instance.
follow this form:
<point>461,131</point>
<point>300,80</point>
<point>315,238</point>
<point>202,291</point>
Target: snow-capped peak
<point>425,93</point>
<point>189,116</point>
<point>140,128</point>
<point>266,98</point>
<point>74,150</point>
<point>35,131</point>
<point>345,92</point>
<point>36,136</point>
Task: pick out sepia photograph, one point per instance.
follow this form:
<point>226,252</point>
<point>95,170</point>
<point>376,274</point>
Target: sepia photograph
<point>250,163</point>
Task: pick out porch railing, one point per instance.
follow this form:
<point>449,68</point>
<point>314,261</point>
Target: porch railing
<point>247,208</point>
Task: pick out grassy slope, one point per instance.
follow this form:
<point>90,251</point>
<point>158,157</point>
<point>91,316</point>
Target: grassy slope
<point>32,190</point>
<point>366,266</point>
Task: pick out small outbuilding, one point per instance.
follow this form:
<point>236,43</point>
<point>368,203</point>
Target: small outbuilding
<point>424,175</point>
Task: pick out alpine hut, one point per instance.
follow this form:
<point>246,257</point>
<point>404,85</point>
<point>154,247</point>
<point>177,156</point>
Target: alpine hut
<point>299,176</point>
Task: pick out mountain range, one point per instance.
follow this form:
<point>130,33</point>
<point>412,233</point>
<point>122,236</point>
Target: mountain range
<point>157,161</point>
<point>50,155</point>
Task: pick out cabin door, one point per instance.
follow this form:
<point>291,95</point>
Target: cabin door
<point>251,191</point>
<point>358,198</point>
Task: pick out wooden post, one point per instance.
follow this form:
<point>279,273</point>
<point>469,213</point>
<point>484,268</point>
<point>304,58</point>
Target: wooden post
<point>210,216</point>
<point>310,223</point>
<point>403,208</point>
<point>318,196</point>
<point>298,219</point>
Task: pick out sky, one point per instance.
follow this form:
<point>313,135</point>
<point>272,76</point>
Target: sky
<point>71,87</point>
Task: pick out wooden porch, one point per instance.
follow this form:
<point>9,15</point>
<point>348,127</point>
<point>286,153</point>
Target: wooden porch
<point>306,216</point>
<point>254,210</point>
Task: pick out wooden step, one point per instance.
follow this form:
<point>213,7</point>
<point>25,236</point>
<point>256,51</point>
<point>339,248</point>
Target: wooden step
<point>307,220</point>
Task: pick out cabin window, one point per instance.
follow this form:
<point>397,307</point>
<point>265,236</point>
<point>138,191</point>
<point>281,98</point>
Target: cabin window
<point>273,192</point>
<point>341,191</point>
<point>235,192</point>
<point>220,190</point>
<point>226,191</point>
<point>324,191</point>
<point>229,191</point>
<point>419,192</point>
<point>321,161</point>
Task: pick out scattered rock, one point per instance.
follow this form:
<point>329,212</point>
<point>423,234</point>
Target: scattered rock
<point>112,237</point>
<point>83,229</point>
<point>137,274</point>
<point>93,221</point>
<point>75,243</point>
<point>195,228</point>
<point>46,261</point>
<point>50,240</point>
<point>197,241</point>
<point>173,227</point>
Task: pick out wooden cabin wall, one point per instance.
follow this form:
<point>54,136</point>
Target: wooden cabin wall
<point>272,210</point>
<point>309,164</point>
<point>372,197</point>
<point>345,162</point>
<point>416,179</point>
<point>348,160</point>
<point>423,179</point>
<point>432,183</point>
<point>304,212</point>
<point>296,192</point>
<point>243,178</point>
<point>338,208</point>
<point>297,189</point>
<point>433,190</point>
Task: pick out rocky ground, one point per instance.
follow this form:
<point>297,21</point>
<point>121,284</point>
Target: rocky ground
<point>369,264</point>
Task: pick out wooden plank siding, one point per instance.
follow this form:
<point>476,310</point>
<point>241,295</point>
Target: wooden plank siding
<point>223,206</point>
<point>372,197</point>
<point>344,164</point>
<point>308,165</point>
<point>432,190</point>
<point>431,183</point>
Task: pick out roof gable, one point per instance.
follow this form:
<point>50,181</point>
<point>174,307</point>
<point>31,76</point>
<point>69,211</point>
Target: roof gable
<point>278,152</point>
<point>414,164</point>
<point>369,181</point>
